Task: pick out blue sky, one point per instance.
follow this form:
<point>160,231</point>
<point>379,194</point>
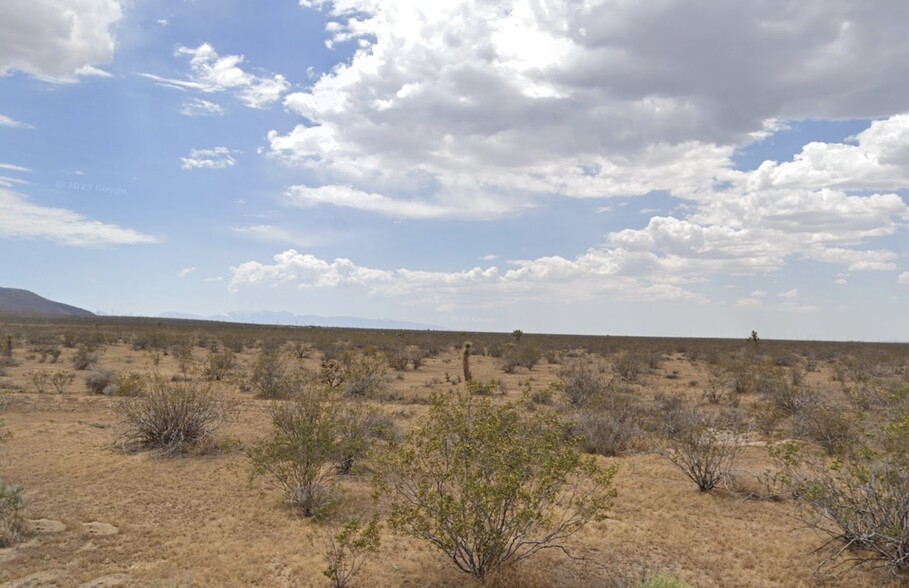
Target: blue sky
<point>671,168</point>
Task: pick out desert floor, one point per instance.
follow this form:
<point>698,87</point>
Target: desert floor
<point>100,516</point>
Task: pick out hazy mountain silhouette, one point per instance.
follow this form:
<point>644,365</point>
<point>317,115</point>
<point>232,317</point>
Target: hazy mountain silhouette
<point>16,301</point>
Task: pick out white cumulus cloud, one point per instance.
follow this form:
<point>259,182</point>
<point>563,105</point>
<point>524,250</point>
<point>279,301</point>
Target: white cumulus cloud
<point>57,40</point>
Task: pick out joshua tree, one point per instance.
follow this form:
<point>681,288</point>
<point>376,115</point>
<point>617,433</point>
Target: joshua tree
<point>465,361</point>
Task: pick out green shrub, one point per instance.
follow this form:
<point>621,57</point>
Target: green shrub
<point>862,501</point>
<point>366,375</point>
<point>316,438</point>
<point>488,486</point>
<point>347,549</point>
<point>12,523</point>
<point>269,377</point>
<point>172,418</point>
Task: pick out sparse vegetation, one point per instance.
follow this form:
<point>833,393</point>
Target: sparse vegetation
<point>830,400</point>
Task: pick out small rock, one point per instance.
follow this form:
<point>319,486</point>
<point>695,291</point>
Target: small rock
<point>111,581</point>
<point>45,526</point>
<point>96,528</point>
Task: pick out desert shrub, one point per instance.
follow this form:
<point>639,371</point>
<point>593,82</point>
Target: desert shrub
<point>608,424</point>
<point>704,449</point>
<point>719,385</point>
<point>183,355</point>
<point>332,373</point>
<point>308,448</point>
<point>481,388</point>
<point>98,380</point>
<point>831,427</point>
<point>12,523</point>
<point>269,375</point>
<point>583,380</point>
<point>347,549</point>
<point>668,415</point>
<point>11,500</point>
<point>862,504</point>
<point>218,364</point>
<point>39,381</point>
<point>126,384</point>
<point>85,358</point>
<point>488,486</point>
<point>397,358</point>
<point>416,355</point>
<point>61,380</point>
<point>514,355</point>
<point>172,418</point>
<point>766,417</point>
<point>366,375</point>
<point>629,367</point>
<point>783,394</point>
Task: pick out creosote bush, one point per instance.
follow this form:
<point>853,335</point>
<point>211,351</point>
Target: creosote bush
<point>172,418</point>
<point>12,524</point>
<point>269,375</point>
<point>348,547</point>
<point>316,438</point>
<point>861,501</point>
<point>704,449</point>
<point>489,486</point>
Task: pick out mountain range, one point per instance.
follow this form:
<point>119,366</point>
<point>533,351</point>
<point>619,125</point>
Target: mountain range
<point>17,301</point>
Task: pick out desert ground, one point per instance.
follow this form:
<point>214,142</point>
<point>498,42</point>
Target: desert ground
<point>100,514</point>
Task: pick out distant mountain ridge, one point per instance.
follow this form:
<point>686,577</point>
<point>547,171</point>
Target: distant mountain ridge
<point>265,317</point>
<point>17,301</point>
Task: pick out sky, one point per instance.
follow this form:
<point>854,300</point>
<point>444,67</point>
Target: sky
<point>695,168</point>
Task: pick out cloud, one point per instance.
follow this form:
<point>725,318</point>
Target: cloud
<point>200,107</point>
<point>57,40</point>
<point>903,278</point>
<point>211,73</point>
<point>216,158</point>
<point>748,303</point>
<point>584,278</point>
<point>584,100</point>
<point>23,220</point>
<point>489,257</point>
<point>11,167</point>
<point>841,281</point>
<point>794,293</point>
<point>758,294</point>
<point>6,121</point>
<point>186,271</point>
<point>272,234</point>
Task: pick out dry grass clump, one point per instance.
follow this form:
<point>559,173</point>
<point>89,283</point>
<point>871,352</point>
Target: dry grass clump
<point>172,418</point>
